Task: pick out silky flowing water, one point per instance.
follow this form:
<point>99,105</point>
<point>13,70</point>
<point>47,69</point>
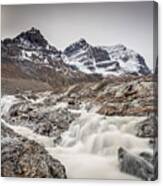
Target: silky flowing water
<point>89,148</point>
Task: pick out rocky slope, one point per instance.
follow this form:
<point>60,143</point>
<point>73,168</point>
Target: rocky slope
<point>119,96</point>
<point>113,60</point>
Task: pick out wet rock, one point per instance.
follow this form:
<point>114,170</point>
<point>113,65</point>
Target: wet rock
<point>135,165</point>
<point>147,156</point>
<point>48,120</point>
<point>21,157</point>
<point>43,128</point>
<point>148,127</point>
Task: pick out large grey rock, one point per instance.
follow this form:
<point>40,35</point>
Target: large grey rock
<point>21,157</point>
<point>135,165</point>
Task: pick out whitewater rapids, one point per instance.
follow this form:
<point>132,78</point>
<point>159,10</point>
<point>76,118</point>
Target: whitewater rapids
<point>89,148</point>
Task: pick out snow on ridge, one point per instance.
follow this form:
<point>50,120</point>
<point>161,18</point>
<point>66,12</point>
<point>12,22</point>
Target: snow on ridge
<point>122,60</point>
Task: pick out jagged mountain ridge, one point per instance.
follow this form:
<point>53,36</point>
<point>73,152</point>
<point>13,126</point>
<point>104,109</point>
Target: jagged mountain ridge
<point>33,47</point>
<point>104,60</point>
<point>30,56</point>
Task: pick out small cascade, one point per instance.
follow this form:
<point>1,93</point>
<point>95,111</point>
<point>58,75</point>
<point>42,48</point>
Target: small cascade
<point>89,148</point>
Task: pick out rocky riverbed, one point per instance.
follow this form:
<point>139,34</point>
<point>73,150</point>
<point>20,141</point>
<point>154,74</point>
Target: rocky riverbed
<point>68,135</point>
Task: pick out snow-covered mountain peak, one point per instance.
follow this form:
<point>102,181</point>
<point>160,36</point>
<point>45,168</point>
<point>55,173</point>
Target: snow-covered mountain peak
<point>31,46</point>
<point>31,38</point>
<point>105,60</point>
<point>81,44</point>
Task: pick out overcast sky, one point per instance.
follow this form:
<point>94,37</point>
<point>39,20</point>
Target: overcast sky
<point>129,23</point>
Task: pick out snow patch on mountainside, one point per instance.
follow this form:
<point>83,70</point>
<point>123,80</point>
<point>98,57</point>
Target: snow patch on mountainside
<point>78,58</point>
<point>113,60</point>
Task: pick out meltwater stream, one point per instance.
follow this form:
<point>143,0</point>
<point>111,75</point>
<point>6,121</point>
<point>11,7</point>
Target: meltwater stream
<point>89,148</point>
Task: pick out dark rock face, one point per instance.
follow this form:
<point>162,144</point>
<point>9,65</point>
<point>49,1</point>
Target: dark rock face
<point>142,70</point>
<point>92,52</point>
<point>30,45</point>
<point>114,66</point>
<point>26,158</point>
<point>82,44</point>
<point>33,36</point>
<point>99,54</point>
<point>135,165</point>
<point>89,54</point>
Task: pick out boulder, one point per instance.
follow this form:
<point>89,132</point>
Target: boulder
<point>135,165</point>
<point>21,157</point>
